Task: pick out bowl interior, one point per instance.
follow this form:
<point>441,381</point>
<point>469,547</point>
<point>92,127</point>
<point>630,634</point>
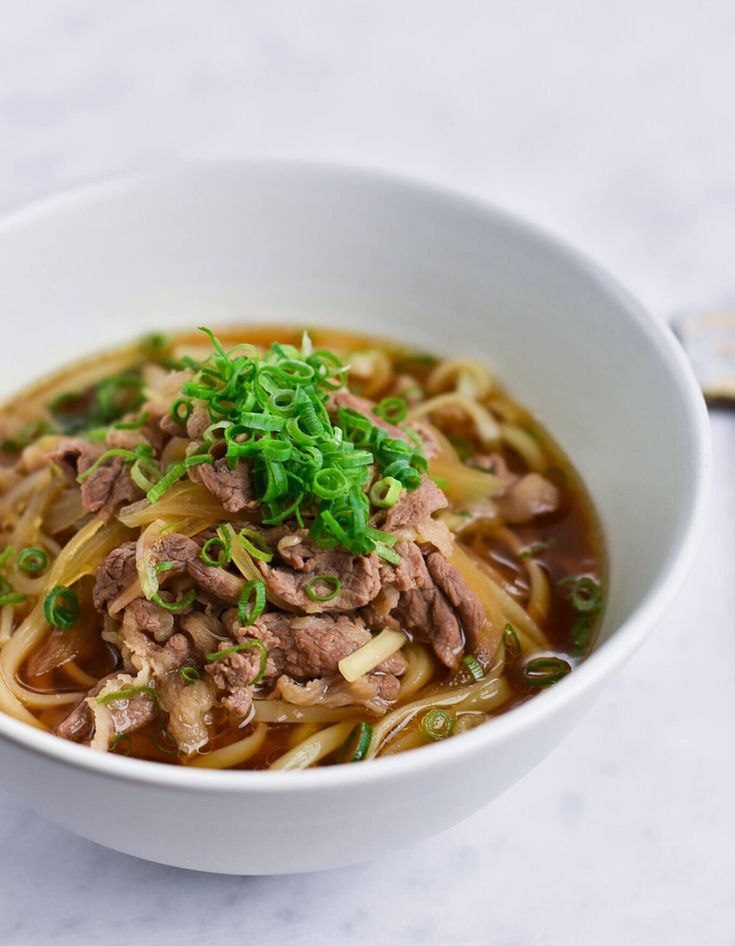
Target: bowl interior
<point>323,247</point>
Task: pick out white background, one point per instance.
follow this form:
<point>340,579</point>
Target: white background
<point>611,124</point>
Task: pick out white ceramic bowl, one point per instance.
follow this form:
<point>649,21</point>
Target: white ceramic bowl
<point>273,242</point>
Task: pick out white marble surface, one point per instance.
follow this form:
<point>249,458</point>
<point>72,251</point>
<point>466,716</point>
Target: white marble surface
<point>611,124</point>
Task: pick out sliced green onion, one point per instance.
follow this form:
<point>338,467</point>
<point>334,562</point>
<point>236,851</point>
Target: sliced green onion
<point>247,645</point>
<point>537,547</point>
<point>145,474</point>
<point>183,602</point>
<point>32,560</point>
<point>585,594</point>
<point>173,475</point>
<point>129,455</point>
<point>473,665</point>
<point>12,597</point>
<point>388,554</point>
<point>251,603</point>
<point>331,580</point>
<point>580,635</point>
<point>254,421</point>
<point>141,421</point>
<point>392,409</point>
<point>123,739</point>
<point>329,483</point>
<point>7,554</point>
<point>356,745</point>
<point>511,642</point>
<point>61,607</point>
<point>255,543</point>
<point>304,462</point>
<point>224,556</point>
<point>172,748</point>
<point>386,492</point>
<point>545,671</point>
<point>190,674</point>
<point>181,410</point>
<point>437,724</point>
<point>127,695</point>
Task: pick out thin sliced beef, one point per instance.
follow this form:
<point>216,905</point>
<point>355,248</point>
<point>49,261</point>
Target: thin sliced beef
<point>204,630</point>
<point>125,715</point>
<point>428,597</point>
<point>188,710</point>
<point>216,582</point>
<point>109,485</point>
<point>427,614</point>
<point>77,725</point>
<point>198,420</point>
<point>140,652</point>
<point>531,496</point>
<point>312,646</point>
<point>466,604</point>
<point>232,676</point>
<point>302,561</point>
<point>115,573</point>
<point>186,555</point>
<point>233,488</point>
<point>151,619</point>
<point>409,574</point>
<point>415,505</point>
<point>374,690</point>
<point>303,650</point>
<point>494,463</point>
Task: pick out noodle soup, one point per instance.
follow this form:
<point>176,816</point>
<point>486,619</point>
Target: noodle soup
<point>277,549</point>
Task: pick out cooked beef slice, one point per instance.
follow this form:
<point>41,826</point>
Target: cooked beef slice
<point>109,485</point>
<point>302,561</point>
<point>115,573</point>
<point>531,496</point>
<point>232,676</point>
<point>455,589</point>
<point>415,505</point>
<point>233,488</point>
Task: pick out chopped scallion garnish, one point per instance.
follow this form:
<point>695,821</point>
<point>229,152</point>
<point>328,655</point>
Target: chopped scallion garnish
<point>545,671</point>
<point>224,551</point>
<point>357,743</point>
<point>511,642</point>
<point>251,603</point>
<point>183,602</point>
<point>392,409</point>
<point>255,544</point>
<point>7,554</point>
<point>61,607</point>
<point>386,492</point>
<point>32,560</point>
<point>537,547</point>
<point>303,462</point>
<point>331,581</point>
<point>190,674</point>
<point>473,665</point>
<point>585,594</point>
<point>174,473</point>
<point>437,724</point>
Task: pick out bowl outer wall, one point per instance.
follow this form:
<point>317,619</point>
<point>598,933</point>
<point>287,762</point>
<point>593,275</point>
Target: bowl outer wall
<point>308,244</point>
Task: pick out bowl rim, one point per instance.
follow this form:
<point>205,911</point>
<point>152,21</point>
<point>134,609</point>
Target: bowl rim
<point>589,675</point>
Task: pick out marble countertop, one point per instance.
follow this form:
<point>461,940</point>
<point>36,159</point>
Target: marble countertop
<point>610,125</point>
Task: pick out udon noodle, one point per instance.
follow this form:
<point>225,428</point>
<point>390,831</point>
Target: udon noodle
<point>283,550</point>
